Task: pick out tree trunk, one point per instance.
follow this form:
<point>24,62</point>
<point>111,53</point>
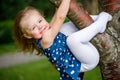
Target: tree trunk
<point>76,14</point>
<point>110,41</point>
<point>91,6</point>
<point>110,48</point>
<point>107,43</point>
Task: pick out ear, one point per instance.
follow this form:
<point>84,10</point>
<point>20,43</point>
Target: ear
<point>25,35</point>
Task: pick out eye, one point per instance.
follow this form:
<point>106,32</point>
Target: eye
<point>34,27</point>
<point>40,21</point>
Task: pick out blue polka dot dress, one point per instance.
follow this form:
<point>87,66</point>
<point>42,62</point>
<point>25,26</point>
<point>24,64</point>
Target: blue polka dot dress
<point>59,53</point>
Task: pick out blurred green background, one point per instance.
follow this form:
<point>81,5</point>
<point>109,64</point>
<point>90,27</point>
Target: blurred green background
<point>8,11</point>
<point>35,70</point>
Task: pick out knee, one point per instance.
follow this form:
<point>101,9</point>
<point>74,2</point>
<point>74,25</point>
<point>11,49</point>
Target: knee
<point>93,64</point>
<point>90,67</point>
<point>72,39</point>
<point>86,67</point>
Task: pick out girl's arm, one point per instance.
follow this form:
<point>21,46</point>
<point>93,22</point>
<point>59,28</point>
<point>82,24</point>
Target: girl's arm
<point>56,24</point>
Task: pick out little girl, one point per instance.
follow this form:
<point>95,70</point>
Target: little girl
<point>71,53</point>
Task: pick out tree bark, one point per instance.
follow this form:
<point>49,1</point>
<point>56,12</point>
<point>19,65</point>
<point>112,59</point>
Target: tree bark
<point>91,6</point>
<point>110,42</point>
<point>76,14</point>
<point>107,43</point>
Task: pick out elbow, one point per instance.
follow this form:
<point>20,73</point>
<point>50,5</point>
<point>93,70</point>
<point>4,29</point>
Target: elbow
<point>61,17</point>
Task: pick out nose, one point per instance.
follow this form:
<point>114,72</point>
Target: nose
<point>39,26</point>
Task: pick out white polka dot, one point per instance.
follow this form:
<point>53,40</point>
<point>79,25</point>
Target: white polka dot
<point>68,53</point>
<point>48,48</point>
<point>56,52</point>
<point>59,41</point>
<point>63,75</point>
<point>72,65</point>
<point>45,53</point>
<point>61,64</point>
<point>48,54</point>
<point>63,70</point>
<point>60,48</point>
<point>72,72</point>
<point>73,58</point>
<point>69,58</point>
<point>58,69</point>
<point>53,51</point>
<point>66,60</point>
<point>52,61</point>
<point>79,79</point>
<point>60,53</point>
<point>56,49</point>
<point>54,58</point>
<point>68,76</point>
<point>60,78</point>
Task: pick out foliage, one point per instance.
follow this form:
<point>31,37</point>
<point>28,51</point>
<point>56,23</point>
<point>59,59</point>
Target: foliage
<point>9,48</point>
<point>45,6</point>
<point>6,32</point>
<point>9,8</point>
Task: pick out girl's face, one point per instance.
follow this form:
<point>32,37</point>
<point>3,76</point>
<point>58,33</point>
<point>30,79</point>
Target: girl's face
<point>34,25</point>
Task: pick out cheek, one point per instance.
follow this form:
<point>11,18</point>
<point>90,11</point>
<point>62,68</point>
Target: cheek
<point>36,35</point>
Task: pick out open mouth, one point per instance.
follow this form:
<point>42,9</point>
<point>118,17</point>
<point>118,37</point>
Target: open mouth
<point>43,29</point>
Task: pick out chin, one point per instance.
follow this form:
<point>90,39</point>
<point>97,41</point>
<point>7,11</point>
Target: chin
<point>38,37</point>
